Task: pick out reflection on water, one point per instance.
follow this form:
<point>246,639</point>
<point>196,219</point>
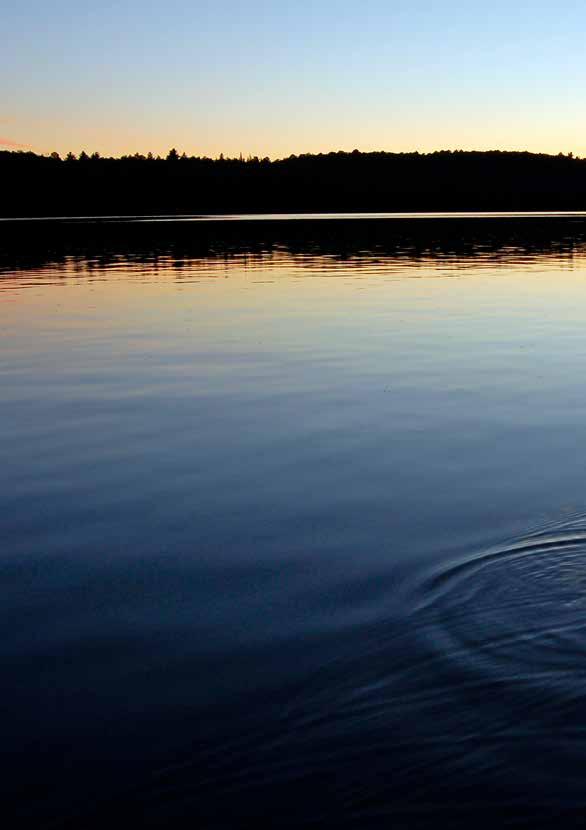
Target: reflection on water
<point>293,521</point>
<point>379,244</point>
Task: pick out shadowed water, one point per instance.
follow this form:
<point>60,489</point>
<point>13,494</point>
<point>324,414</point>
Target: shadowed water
<point>293,522</point>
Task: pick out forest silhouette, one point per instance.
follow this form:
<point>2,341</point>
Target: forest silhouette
<point>338,181</point>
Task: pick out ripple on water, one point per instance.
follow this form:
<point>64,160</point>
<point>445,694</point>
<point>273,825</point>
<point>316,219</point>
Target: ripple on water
<point>517,607</point>
<point>474,701</point>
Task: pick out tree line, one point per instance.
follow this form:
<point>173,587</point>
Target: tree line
<point>337,181</point>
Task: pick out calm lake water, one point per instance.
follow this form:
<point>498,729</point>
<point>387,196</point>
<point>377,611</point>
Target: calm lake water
<point>293,522</point>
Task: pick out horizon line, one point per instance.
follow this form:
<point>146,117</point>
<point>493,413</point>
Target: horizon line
<point>21,149</point>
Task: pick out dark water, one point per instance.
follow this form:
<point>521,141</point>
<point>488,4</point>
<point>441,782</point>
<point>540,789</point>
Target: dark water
<point>293,523</point>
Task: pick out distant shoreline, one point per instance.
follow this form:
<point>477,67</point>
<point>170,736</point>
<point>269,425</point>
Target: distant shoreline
<point>149,220</point>
<point>300,216</point>
<point>349,183</point>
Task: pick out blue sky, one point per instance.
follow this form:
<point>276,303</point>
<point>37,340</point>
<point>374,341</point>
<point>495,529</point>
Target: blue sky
<point>269,79</point>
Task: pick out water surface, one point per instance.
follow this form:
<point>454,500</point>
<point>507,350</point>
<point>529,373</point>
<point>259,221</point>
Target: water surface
<point>293,521</point>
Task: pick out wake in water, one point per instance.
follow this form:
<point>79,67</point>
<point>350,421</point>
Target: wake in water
<point>517,607</point>
<point>471,706</point>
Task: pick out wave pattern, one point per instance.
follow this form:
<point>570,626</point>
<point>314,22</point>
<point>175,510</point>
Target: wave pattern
<point>474,700</point>
<point>521,601</point>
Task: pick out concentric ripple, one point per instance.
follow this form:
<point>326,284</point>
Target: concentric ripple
<point>474,702</point>
<point>519,607</point>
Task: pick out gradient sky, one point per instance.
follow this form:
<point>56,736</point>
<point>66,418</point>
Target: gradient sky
<point>269,78</point>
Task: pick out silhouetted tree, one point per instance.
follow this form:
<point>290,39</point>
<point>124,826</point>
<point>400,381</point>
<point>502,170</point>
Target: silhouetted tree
<point>336,181</point>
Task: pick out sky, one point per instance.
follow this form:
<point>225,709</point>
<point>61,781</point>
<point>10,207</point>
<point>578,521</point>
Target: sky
<point>273,78</point>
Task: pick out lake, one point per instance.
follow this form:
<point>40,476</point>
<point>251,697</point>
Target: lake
<point>293,521</point>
